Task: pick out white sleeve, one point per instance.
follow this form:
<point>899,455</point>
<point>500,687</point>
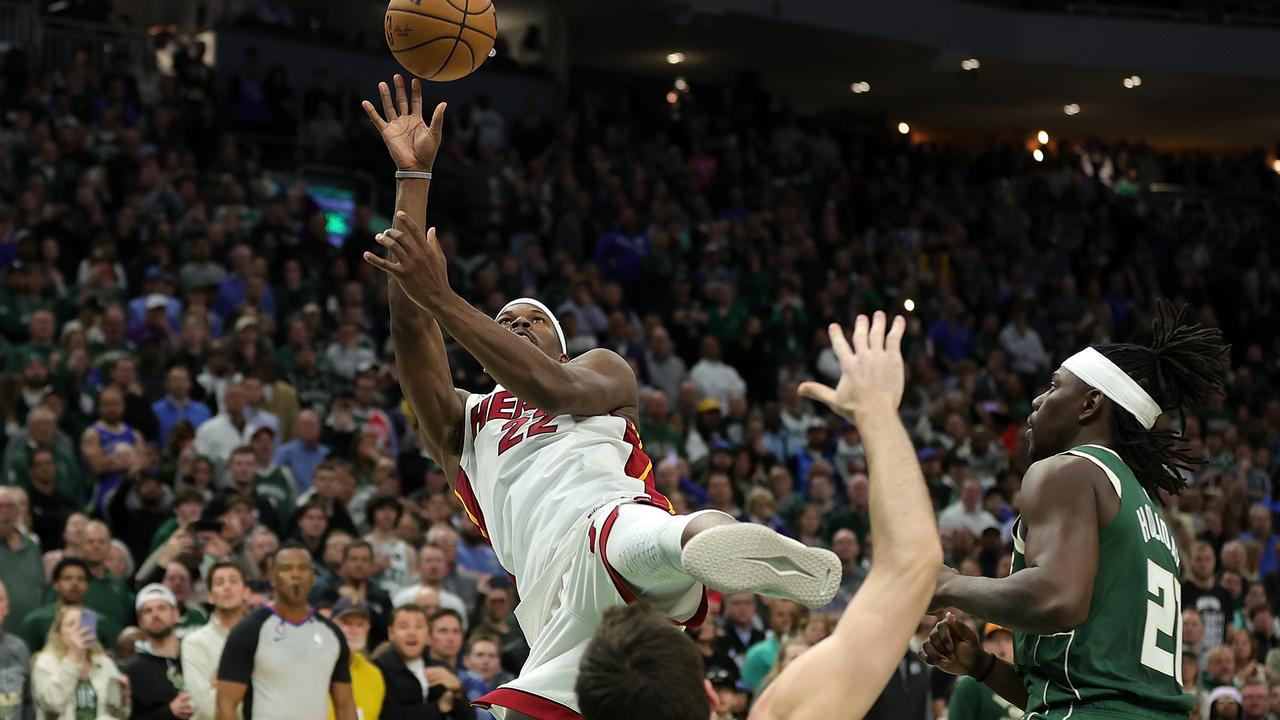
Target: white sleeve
<point>53,683</point>
<point>198,668</point>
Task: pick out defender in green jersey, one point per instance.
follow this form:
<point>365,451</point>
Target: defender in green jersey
<point>1094,596</point>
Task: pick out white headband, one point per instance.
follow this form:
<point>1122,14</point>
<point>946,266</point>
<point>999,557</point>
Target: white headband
<point>1095,370</point>
<point>546,311</point>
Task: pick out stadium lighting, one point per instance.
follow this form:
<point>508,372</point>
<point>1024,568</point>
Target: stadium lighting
<point>909,305</point>
<point>1128,83</point>
<point>1133,81</point>
<point>681,85</point>
<point>1038,155</point>
<point>904,128</point>
<point>673,97</point>
<point>1072,109</point>
<point>675,58</point>
<point>970,64</point>
<point>1275,165</point>
<point>860,87</point>
<point>1043,137</point>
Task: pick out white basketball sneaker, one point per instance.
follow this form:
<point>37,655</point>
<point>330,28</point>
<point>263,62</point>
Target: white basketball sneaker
<point>745,557</point>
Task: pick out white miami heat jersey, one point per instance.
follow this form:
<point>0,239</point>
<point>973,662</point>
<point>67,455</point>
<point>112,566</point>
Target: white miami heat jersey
<point>526,477</point>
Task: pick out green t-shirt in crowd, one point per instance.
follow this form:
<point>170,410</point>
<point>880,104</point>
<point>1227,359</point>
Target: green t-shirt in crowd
<point>35,628</point>
<point>22,573</point>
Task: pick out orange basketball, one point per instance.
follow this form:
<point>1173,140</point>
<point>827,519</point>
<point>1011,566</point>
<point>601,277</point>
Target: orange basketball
<point>441,40</point>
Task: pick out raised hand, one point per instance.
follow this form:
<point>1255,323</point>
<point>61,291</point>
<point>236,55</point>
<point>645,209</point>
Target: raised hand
<point>415,261</point>
<point>412,143</point>
<point>954,647</point>
<point>871,370</point>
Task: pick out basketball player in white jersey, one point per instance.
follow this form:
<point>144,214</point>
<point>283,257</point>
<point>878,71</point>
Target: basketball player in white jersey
<point>550,465</point>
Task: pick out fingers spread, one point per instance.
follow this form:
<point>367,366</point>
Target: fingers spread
<point>861,332</point>
<point>402,97</point>
<point>894,344</point>
<point>382,264</point>
<point>409,224</point>
<point>840,344</point>
<point>817,391</point>
<point>437,119</point>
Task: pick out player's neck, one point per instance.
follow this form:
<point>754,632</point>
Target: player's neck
<point>1098,434</point>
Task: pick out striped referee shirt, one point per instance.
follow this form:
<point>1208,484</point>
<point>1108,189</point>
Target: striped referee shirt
<point>288,666</point>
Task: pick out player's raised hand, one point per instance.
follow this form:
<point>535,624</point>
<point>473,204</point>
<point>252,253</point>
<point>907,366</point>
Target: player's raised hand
<point>415,261</point>
<point>871,368</point>
<point>954,647</point>
<point>412,143</point>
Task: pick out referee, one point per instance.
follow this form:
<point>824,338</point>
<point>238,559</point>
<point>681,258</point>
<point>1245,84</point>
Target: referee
<point>277,657</point>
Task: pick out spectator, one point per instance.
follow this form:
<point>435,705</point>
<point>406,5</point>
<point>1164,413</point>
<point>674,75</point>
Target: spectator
<point>740,628</point>
<point>304,453</point>
<point>349,353</point>
<point>432,570</point>
<point>666,369</point>
<point>283,672</point>
<point>202,648</point>
<point>191,613</point>
<point>242,482</point>
<point>177,403</point>
<point>333,488</point>
<point>1255,701</point>
<point>20,567</point>
<point>714,377</point>
<point>1027,355</point>
<point>50,509</point>
<point>856,515</point>
<point>272,482</point>
<point>217,437</point>
<point>967,512</point>
<point>352,584</point>
<point>42,434</point>
<point>457,582</point>
<point>73,676</point>
<point>785,620</point>
<point>393,558</point>
<point>846,546</point>
<point>110,447</point>
<point>15,667</point>
<point>1260,531</point>
<point>446,628</point>
<point>155,675</point>
<point>1202,593</point>
<point>418,687</point>
<point>483,671</point>
<point>367,686</point>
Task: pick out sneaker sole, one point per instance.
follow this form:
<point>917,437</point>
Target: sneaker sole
<point>753,558</point>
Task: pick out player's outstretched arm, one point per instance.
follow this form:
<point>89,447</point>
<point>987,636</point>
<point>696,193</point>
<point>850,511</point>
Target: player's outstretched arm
<point>844,674</point>
<point>1052,594</point>
<point>598,382</point>
<point>422,364</point>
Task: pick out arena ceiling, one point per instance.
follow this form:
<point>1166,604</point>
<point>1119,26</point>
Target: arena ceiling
<point>922,86</point>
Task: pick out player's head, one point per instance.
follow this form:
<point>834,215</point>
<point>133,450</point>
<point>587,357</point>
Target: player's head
<point>535,322</point>
<point>1118,391</point>
<point>639,665</point>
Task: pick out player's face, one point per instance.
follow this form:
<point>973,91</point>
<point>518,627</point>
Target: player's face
<point>408,633</point>
<point>533,325</point>
<point>1053,422</point>
<point>292,576</point>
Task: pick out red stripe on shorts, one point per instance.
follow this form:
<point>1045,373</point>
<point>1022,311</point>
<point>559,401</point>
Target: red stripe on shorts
<point>532,705</point>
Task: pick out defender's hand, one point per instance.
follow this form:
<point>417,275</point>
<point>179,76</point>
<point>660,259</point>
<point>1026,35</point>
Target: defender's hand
<point>412,143</point>
<point>415,261</point>
<point>872,374</point>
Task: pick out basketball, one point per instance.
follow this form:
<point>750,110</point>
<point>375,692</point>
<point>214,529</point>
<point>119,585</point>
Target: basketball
<point>441,40</point>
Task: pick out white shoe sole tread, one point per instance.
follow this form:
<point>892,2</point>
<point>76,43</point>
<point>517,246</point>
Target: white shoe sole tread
<point>753,558</point>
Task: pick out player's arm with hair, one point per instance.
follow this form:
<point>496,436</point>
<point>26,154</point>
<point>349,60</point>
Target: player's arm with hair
<point>1060,530</point>
<point>422,364</point>
<point>843,675</point>
<point>598,382</point>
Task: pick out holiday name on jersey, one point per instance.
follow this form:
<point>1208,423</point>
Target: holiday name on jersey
<point>1153,528</point>
<point>522,419</point>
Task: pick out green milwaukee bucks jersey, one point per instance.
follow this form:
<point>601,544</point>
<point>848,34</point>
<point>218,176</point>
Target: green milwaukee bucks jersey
<point>1124,660</point>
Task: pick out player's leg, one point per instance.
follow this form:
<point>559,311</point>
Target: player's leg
<point>660,555</point>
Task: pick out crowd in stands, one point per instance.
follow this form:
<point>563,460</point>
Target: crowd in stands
<point>193,372</point>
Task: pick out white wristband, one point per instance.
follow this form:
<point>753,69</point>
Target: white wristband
<point>412,175</point>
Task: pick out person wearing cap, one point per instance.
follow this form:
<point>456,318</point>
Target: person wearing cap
<point>155,673</point>
<point>367,684</point>
<point>1224,703</point>
<point>971,700</point>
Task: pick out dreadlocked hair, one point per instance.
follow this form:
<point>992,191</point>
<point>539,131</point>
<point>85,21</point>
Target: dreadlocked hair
<point>1181,369</point>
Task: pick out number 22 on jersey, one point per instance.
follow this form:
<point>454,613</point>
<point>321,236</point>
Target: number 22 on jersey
<point>1163,618</point>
